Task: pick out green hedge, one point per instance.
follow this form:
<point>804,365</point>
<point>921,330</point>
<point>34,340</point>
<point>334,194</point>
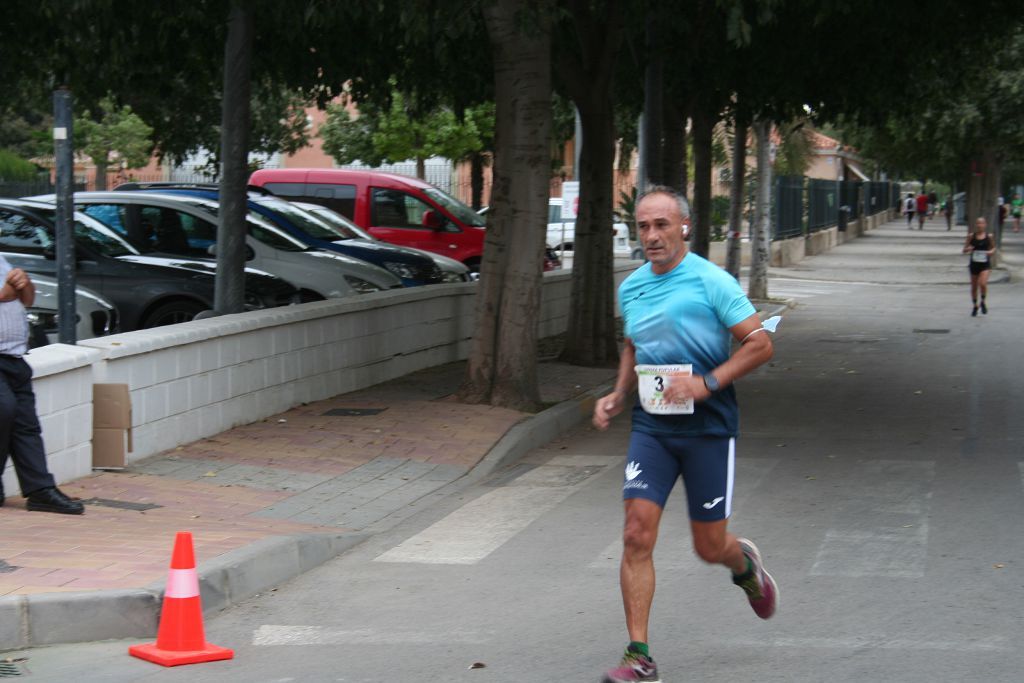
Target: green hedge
<point>14,168</point>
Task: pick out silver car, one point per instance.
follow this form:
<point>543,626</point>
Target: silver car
<point>96,316</point>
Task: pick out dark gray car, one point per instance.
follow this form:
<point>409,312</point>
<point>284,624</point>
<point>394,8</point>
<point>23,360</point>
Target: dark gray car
<point>148,291</point>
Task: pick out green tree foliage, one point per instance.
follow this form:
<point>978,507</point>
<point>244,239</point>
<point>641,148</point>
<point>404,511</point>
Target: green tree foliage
<point>113,134</point>
<point>793,156</point>
<point>402,132</point>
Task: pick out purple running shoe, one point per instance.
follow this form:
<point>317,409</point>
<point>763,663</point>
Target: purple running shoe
<point>758,584</point>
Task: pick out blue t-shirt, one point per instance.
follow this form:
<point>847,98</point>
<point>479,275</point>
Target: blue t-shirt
<point>684,316</point>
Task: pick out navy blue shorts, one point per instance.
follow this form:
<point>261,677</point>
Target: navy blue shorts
<point>706,464</point>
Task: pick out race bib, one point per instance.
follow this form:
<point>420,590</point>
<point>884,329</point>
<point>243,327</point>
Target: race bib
<point>652,381</point>
<point>979,256</point>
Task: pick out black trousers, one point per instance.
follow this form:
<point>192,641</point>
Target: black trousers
<point>20,434</point>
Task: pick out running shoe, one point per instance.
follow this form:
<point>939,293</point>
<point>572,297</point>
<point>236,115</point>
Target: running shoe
<point>633,667</point>
<point>974,312</point>
<point>984,308</point>
<point>758,584</point>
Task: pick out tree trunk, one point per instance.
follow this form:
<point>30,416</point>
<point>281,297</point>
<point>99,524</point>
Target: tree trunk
<point>229,291</point>
<point>421,168</point>
<point>654,89</point>
<point>674,154</point>
<point>502,366</point>
<point>983,190</point>
<point>101,174</point>
<point>734,253</point>
<point>760,247</point>
<point>476,179</point>
<point>703,125</point>
<point>588,72</point>
<point>591,336</point>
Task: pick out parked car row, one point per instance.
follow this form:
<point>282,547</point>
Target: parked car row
<point>146,252</point>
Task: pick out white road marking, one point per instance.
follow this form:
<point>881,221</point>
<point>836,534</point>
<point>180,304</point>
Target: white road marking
<point>877,642</point>
<point>276,634</point>
<point>480,527</point>
<point>882,528</point>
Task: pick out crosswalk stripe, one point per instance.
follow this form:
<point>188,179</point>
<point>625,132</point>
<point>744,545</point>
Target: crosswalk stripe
<point>298,634</point>
<point>480,527</point>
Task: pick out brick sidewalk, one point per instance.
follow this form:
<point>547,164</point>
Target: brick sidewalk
<point>334,465</point>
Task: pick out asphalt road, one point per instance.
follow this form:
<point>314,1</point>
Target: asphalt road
<point>879,470</point>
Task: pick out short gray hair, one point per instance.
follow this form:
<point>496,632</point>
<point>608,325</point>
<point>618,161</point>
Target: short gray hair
<point>684,206</point>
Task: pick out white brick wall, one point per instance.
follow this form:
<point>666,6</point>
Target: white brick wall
<point>197,379</point>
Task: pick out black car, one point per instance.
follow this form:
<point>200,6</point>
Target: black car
<point>148,291</point>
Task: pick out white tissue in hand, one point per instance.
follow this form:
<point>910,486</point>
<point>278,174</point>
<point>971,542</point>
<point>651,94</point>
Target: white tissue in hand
<point>771,323</point>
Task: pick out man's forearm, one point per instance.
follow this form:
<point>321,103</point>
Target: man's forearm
<point>748,357</point>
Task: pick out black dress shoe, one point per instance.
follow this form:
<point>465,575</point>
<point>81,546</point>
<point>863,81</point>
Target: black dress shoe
<point>53,500</point>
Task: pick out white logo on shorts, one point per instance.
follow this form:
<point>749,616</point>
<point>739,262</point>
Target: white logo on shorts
<point>632,471</point>
<point>713,503</point>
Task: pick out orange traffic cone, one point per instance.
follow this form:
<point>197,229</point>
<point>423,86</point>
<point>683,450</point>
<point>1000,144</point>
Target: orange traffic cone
<point>180,639</point>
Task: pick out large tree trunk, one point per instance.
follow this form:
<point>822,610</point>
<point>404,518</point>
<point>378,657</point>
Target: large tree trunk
<point>421,168</point>
<point>983,190</point>
<point>229,291</point>
<point>591,336</point>
<point>502,367</point>
<point>674,155</point>
<point>734,253</point>
<point>703,125</point>
<point>760,247</point>
<point>652,121</point>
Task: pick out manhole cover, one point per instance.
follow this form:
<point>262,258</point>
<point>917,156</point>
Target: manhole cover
<point>6,568</point>
<point>121,504</point>
<point>931,331</point>
<point>354,412</point>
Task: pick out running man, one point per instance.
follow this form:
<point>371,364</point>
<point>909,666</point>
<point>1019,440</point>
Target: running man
<point>1016,208</point>
<point>981,247</point>
<point>679,309</point>
<point>908,209</point>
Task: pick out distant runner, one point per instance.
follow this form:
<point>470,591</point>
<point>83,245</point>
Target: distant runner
<point>980,246</point>
<point>908,209</point>
<point>922,209</point>
<point>1016,208</point>
<point>681,315</point>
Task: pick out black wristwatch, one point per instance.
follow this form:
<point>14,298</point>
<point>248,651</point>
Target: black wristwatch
<point>711,383</point>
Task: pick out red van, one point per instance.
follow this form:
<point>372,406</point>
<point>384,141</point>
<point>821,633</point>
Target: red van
<point>394,208</point>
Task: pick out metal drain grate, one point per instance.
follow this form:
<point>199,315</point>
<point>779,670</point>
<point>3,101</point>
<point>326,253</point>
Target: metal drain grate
<point>7,568</point>
<point>354,412</point>
<point>121,504</point>
<point>931,331</point>
<point>11,668</point>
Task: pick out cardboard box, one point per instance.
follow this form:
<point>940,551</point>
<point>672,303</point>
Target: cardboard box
<point>109,448</point>
<point>111,406</point>
<point>111,425</point>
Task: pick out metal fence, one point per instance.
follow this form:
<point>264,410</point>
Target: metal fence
<point>789,207</point>
<point>822,204</point>
<point>807,205</point>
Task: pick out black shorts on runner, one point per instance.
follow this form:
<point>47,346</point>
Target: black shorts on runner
<point>706,464</point>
